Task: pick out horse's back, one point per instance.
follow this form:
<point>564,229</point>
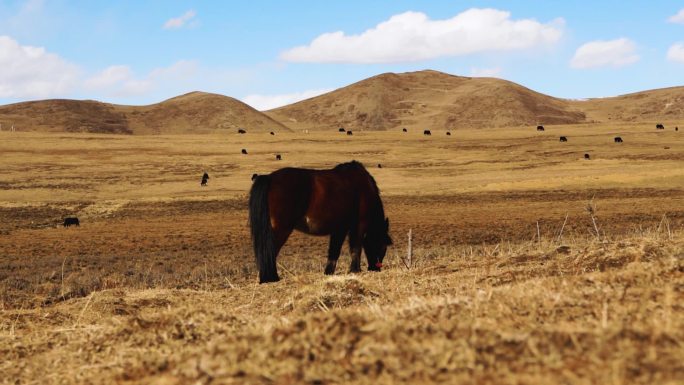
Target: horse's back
<point>341,196</point>
<point>319,201</point>
<point>291,178</point>
<point>288,195</point>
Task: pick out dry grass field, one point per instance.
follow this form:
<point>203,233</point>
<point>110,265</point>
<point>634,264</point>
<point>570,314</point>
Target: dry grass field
<point>532,265</point>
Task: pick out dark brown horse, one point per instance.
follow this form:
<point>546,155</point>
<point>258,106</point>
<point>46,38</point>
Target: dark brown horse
<point>338,202</point>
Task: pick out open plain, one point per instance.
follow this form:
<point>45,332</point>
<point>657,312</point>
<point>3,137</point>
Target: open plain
<point>531,264</point>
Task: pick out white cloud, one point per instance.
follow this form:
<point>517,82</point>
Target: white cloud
<point>109,77</point>
<point>178,22</point>
<point>32,6</point>
<point>29,72</point>
<point>119,80</point>
<point>676,52</point>
<point>178,70</point>
<point>678,17</point>
<point>604,53</point>
<point>267,102</point>
<point>485,72</point>
<point>135,87</point>
<point>412,36</point>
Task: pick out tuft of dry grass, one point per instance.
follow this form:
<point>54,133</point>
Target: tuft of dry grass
<point>587,312</point>
<point>508,281</point>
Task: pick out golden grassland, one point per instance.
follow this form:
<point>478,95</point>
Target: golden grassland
<point>531,264</point>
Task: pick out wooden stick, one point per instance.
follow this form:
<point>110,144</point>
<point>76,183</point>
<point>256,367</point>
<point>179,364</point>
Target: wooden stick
<point>598,235</point>
<point>409,255</point>
<point>560,235</point>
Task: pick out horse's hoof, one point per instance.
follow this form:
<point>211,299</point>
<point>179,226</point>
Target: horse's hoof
<point>330,268</point>
<point>269,280</point>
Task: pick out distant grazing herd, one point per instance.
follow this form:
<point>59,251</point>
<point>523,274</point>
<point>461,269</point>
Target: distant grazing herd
<point>616,139</point>
<point>73,221</point>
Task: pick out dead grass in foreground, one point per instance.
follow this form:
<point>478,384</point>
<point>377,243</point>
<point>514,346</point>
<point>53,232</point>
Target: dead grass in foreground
<point>158,284</point>
<point>591,312</point>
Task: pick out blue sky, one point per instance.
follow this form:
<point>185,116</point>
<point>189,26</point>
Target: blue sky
<point>269,53</point>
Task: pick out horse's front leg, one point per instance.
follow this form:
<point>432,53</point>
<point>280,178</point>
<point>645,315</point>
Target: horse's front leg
<point>355,251</point>
<point>336,241</point>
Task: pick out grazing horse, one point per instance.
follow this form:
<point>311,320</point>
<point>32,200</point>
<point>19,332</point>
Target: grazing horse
<point>404,130</point>
<point>241,131</point>
<point>659,126</point>
<point>448,133</point>
<point>272,133</point>
<point>205,178</point>
<point>427,132</point>
<point>350,132</point>
<point>618,139</point>
<point>341,129</point>
<point>278,157</point>
<point>71,221</point>
<point>586,156</point>
<point>340,202</point>
<point>540,128</point>
<point>563,139</point>
<point>244,151</point>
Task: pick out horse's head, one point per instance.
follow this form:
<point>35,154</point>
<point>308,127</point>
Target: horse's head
<point>375,245</point>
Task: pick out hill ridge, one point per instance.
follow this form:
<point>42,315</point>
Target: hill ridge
<point>417,99</point>
<point>193,112</point>
<point>427,98</point>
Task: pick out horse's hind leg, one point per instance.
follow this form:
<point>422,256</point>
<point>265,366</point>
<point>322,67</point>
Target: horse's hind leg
<point>281,236</point>
<point>355,251</point>
<point>336,241</point>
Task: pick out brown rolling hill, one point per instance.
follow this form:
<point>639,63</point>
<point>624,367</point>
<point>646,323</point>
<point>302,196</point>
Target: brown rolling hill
<point>427,99</point>
<point>419,100</point>
<point>661,105</point>
<point>196,112</point>
<point>64,115</point>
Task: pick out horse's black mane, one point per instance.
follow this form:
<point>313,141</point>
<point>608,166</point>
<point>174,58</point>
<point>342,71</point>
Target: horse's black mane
<point>356,165</point>
<point>378,217</point>
<point>349,166</point>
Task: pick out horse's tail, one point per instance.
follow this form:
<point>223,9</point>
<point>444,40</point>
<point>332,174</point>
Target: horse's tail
<point>262,232</point>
